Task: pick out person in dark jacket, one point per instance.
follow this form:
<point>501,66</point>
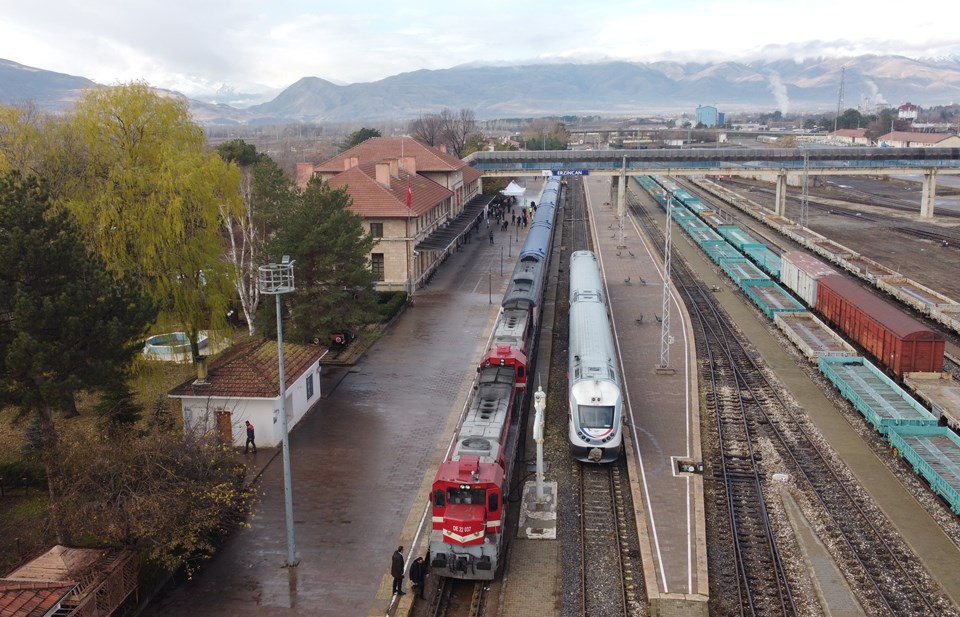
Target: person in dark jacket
<point>396,570</point>
<point>250,441</point>
<point>418,575</point>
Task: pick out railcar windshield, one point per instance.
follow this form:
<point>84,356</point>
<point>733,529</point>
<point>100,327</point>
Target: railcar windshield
<point>596,416</point>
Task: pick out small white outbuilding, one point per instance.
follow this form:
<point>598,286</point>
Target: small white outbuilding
<point>244,384</point>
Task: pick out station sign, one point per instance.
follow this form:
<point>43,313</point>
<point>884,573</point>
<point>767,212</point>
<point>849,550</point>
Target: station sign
<point>569,172</point>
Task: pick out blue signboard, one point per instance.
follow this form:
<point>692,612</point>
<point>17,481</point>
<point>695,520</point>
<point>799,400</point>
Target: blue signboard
<point>570,172</point>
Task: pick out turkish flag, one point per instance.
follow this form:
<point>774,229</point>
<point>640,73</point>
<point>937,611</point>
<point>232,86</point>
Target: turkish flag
<point>409,195</point>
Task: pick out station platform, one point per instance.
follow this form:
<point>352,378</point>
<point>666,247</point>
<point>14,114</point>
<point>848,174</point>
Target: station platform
<point>663,411</point>
<point>363,460</point>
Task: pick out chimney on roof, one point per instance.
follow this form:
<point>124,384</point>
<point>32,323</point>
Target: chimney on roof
<point>304,173</point>
<point>443,148</point>
<point>394,168</point>
<point>350,162</point>
<point>201,362</point>
<point>383,173</point>
<point>409,164</point>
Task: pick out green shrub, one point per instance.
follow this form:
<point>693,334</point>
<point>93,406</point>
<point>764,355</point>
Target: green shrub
<point>20,474</point>
<point>390,303</point>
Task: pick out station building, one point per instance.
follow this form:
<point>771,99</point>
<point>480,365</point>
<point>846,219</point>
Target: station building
<point>413,197</point>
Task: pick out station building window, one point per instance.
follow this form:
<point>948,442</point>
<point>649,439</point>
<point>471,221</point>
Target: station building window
<point>376,230</point>
<point>376,264</point>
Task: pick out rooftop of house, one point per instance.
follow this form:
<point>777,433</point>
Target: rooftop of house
<point>378,149</point>
<point>251,370</point>
<point>379,194</point>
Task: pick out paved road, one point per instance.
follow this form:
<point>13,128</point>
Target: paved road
<point>362,459</point>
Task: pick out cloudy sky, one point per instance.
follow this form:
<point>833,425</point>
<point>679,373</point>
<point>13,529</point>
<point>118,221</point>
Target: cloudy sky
<point>198,46</point>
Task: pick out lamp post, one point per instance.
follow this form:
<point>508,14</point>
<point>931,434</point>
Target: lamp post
<point>539,404</point>
<point>274,280</point>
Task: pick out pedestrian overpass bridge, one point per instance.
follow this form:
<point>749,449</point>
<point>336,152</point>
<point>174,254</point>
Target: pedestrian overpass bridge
<point>785,166</point>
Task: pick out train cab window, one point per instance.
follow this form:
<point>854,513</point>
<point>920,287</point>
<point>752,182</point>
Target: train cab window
<point>596,416</point>
<point>493,502</point>
<point>521,371</point>
<point>467,497</point>
<point>439,499</point>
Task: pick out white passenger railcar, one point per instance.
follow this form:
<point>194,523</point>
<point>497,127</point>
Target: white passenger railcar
<point>595,407</point>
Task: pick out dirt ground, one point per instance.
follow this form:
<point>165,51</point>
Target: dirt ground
<point>924,261</point>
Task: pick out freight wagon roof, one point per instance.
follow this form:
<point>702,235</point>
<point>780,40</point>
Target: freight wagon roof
<point>810,265</point>
<point>891,317</point>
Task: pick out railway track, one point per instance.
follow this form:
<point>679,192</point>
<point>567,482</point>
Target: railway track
<point>886,577</point>
<point>761,582</point>
<point>601,529</point>
<point>946,237</point>
<point>575,215</point>
<point>455,598</point>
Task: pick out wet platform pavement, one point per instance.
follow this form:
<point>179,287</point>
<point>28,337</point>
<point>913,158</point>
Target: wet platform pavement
<point>360,458</point>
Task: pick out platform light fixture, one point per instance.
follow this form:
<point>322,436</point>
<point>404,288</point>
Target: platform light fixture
<point>275,280</point>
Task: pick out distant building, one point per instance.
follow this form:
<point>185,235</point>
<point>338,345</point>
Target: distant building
<point>908,111</point>
<point>852,137</point>
<point>708,116</point>
<point>909,139</point>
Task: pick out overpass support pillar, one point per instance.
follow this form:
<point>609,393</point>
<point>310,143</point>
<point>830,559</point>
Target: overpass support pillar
<point>780,205</point>
<point>622,196</point>
<point>928,196</point>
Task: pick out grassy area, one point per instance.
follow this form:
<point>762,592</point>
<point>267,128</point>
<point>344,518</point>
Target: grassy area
<point>24,528</point>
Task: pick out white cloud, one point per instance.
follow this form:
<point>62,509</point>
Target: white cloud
<point>198,47</point>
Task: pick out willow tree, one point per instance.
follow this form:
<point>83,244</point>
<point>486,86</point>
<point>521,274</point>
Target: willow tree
<point>21,128</point>
<point>149,197</point>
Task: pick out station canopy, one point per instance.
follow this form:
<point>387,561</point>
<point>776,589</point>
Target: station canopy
<point>513,190</point>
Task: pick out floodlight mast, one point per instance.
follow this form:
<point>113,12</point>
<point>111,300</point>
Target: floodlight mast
<point>275,280</point>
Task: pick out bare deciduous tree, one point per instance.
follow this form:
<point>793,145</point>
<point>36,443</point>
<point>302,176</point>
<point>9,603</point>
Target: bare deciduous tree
<point>427,129</point>
<point>457,129</point>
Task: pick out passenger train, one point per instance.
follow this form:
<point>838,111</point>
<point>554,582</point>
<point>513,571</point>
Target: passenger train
<point>595,406</point>
<point>471,488</point>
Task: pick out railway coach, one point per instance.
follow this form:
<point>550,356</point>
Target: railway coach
<point>595,404</point>
<point>472,486</point>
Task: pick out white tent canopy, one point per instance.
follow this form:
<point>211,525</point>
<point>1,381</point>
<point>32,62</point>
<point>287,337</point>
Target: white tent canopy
<point>513,190</point>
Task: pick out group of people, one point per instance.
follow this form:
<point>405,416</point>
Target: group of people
<point>418,573</point>
<point>499,215</point>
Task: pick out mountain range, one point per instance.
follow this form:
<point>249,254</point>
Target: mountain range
<point>607,88</point>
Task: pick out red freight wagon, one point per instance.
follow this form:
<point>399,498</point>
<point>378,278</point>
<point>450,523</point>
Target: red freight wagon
<point>900,343</point>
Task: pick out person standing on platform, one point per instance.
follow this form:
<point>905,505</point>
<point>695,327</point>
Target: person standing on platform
<point>418,576</point>
<point>491,236</point>
<point>250,441</point>
<point>396,570</point>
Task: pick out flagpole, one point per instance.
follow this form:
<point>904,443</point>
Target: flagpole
<point>410,236</point>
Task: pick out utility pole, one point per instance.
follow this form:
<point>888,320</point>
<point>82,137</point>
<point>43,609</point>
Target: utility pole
<point>665,338</point>
<point>839,99</point>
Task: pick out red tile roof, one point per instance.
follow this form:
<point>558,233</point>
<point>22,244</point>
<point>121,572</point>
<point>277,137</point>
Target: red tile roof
<point>855,133</point>
<point>31,598</point>
<point>470,174</point>
<point>372,199</point>
<point>251,370</point>
<point>378,149</point>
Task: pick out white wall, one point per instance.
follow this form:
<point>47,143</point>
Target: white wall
<point>199,413</point>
